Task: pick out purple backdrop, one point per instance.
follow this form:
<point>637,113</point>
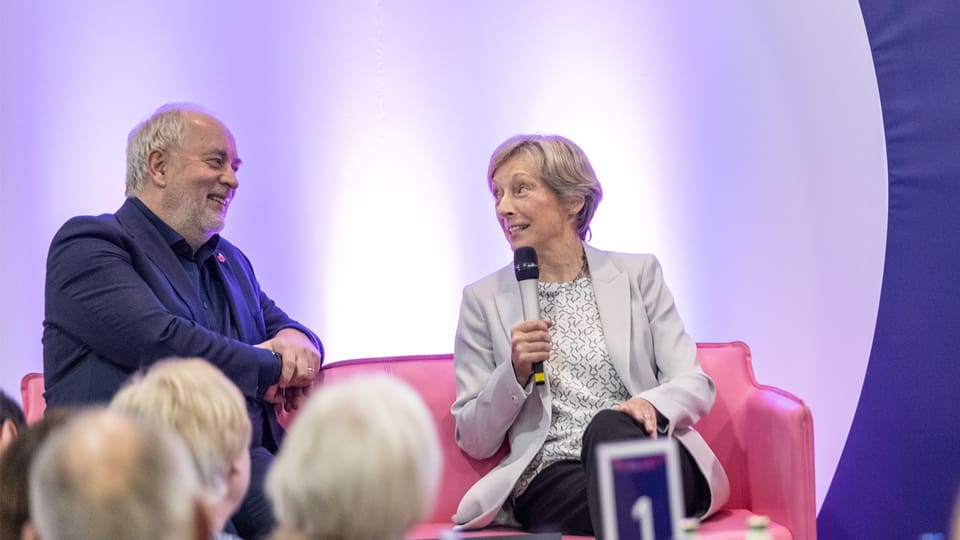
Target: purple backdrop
<point>899,473</point>
<point>741,142</point>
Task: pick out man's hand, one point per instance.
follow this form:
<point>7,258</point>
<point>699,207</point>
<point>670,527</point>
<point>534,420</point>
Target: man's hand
<point>274,395</point>
<point>294,397</point>
<point>299,359</point>
<point>291,398</point>
<point>642,411</point>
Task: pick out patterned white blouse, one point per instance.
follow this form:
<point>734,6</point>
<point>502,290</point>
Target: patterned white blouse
<point>582,379</point>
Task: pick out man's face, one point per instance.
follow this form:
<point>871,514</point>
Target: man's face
<point>201,179</point>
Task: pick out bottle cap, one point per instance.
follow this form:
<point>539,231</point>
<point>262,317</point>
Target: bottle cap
<point>689,524</point>
<point>758,522</point>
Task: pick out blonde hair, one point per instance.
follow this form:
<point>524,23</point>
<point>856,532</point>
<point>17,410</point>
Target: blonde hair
<point>564,168</point>
<point>199,403</point>
<point>361,462</point>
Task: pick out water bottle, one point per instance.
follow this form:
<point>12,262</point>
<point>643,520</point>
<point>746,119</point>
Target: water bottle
<point>688,529</point>
<point>758,528</point>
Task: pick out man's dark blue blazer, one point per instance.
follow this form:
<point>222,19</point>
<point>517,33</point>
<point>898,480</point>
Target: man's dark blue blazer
<point>118,299</point>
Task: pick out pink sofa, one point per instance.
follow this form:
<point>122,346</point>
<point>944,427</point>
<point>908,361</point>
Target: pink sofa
<point>31,394</point>
<point>762,435</point>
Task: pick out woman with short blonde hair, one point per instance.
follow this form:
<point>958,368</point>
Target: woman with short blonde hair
<point>612,358</point>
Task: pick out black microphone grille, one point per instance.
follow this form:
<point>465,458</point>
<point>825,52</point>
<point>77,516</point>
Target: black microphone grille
<point>525,263</point>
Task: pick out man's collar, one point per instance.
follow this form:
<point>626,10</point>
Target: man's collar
<point>175,240</point>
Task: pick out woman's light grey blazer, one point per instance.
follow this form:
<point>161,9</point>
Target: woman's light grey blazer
<point>647,344</point>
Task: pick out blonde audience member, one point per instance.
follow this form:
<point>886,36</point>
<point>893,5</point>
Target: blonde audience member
<point>361,462</point>
<point>197,402</point>
<point>106,475</point>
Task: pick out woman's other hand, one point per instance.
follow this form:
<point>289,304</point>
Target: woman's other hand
<point>642,411</point>
<point>529,343</point>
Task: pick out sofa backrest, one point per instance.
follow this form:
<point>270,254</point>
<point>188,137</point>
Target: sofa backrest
<point>728,364</point>
<point>728,428</point>
<point>763,436</point>
<point>31,394</point>
<point>432,377</point>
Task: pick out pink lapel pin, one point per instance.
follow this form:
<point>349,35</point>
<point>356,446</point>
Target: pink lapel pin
<point>221,258</point>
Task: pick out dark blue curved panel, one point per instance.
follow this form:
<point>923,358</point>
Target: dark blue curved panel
<point>899,471</point>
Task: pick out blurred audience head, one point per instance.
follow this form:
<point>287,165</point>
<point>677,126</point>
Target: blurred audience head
<point>15,469</point>
<point>12,421</point>
<point>106,475</point>
<point>955,521</point>
<point>360,462</point>
<point>200,404</point>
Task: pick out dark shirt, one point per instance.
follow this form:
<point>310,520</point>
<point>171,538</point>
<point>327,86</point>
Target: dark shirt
<point>204,272</point>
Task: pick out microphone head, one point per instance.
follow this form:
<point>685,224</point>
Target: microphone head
<point>525,263</point>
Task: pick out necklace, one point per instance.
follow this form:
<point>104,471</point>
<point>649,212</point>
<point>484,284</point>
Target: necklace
<point>584,271</point>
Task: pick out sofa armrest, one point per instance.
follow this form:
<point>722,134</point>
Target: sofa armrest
<point>778,438</point>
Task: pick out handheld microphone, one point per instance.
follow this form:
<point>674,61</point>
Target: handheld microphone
<point>527,270</point>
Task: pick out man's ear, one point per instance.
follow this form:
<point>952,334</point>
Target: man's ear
<point>202,520</point>
<point>29,532</point>
<point>157,164</point>
<point>8,432</point>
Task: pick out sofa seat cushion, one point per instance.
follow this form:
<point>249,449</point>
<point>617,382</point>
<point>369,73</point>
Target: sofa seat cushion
<point>732,525</point>
<point>724,525</point>
<point>427,531</point>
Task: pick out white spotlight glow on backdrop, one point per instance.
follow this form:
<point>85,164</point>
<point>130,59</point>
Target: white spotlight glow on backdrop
<point>740,142</point>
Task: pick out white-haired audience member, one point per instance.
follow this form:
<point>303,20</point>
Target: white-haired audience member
<point>104,475</point>
<point>361,462</point>
<point>201,405</point>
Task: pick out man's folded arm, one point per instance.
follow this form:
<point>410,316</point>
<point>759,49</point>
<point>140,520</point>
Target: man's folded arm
<point>276,320</point>
<point>95,294</point>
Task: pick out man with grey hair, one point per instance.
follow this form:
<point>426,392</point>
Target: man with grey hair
<point>105,476</point>
<point>155,280</point>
